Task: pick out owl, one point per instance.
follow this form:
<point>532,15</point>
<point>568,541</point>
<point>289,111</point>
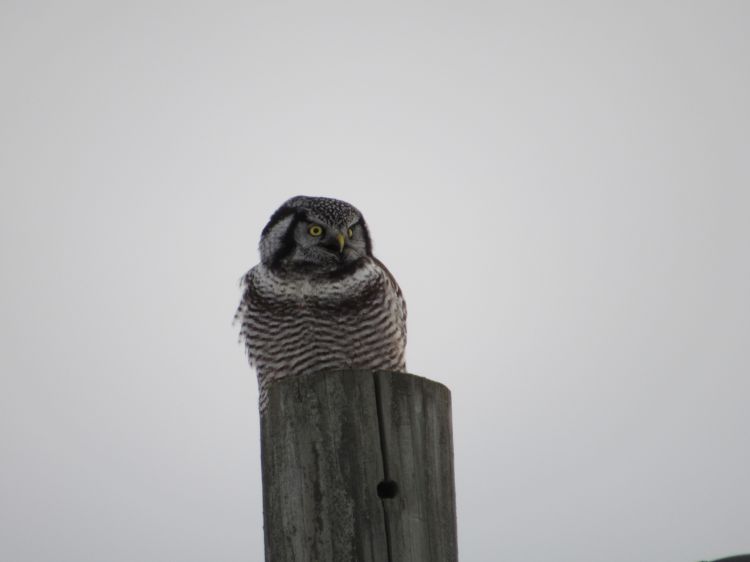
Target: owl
<point>319,300</point>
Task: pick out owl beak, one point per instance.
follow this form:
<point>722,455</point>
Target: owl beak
<point>342,242</point>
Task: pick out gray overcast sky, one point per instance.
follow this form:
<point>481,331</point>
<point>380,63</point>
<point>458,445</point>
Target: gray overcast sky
<point>562,192</point>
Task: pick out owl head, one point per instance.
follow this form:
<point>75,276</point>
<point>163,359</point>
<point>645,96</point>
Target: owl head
<point>315,234</point>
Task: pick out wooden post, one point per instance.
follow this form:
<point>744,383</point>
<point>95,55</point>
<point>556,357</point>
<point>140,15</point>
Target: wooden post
<point>358,467</point>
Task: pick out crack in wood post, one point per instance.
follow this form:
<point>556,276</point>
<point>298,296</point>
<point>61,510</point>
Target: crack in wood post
<point>384,453</point>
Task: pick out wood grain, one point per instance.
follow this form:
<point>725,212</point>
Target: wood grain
<point>330,442</point>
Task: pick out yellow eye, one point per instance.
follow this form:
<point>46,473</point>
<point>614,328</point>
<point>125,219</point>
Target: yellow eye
<point>350,233</point>
<point>315,230</point>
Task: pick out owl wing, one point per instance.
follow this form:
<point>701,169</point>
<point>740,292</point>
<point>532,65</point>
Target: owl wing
<point>391,280</point>
<point>242,316</point>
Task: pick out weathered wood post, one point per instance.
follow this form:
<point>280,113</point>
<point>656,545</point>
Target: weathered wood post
<point>358,467</point>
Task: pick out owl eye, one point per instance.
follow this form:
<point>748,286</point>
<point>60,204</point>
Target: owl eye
<point>350,232</point>
<point>315,230</point>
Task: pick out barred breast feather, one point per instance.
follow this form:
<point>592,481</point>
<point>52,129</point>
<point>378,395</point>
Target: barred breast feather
<point>292,324</point>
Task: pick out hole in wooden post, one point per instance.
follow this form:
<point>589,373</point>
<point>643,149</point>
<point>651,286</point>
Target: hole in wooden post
<point>387,489</point>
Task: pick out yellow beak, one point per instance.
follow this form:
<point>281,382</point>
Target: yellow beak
<point>342,242</point>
